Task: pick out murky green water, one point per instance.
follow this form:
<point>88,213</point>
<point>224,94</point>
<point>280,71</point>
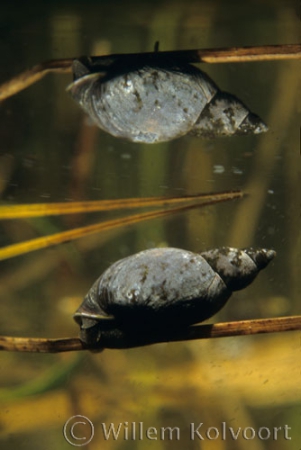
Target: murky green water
<point>50,153</point>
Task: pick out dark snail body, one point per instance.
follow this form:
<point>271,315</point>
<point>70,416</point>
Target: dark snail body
<point>151,100</point>
<point>165,288</point>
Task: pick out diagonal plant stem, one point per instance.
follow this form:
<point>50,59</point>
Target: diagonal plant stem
<point>31,76</point>
<point>13,250</point>
<point>220,55</point>
<point>51,209</point>
<point>218,330</point>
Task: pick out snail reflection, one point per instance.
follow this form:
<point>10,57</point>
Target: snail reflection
<point>152,99</point>
<point>162,289</point>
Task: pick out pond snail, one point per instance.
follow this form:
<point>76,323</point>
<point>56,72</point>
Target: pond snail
<point>164,289</point>
<point>151,98</point>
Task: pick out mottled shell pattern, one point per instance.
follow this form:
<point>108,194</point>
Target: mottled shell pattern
<point>150,100</point>
<point>165,288</point>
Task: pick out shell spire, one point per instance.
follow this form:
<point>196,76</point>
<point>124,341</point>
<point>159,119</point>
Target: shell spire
<point>226,115</point>
<point>236,267</point>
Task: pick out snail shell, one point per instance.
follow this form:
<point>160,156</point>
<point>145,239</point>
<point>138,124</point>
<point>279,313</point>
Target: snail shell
<point>165,288</point>
<point>151,100</point>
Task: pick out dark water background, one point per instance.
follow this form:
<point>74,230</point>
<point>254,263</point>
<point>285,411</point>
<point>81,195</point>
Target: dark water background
<point>50,153</point>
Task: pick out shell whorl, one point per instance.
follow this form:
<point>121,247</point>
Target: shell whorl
<point>225,115</point>
<point>236,267</point>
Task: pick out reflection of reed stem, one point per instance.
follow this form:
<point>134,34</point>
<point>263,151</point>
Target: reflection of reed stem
<point>222,55</point>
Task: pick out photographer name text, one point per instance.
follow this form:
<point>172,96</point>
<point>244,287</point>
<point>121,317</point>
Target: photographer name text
<point>79,430</point>
<point>197,431</point>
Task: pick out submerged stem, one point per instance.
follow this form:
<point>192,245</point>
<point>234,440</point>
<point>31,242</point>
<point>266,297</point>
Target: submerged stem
<point>218,330</point>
